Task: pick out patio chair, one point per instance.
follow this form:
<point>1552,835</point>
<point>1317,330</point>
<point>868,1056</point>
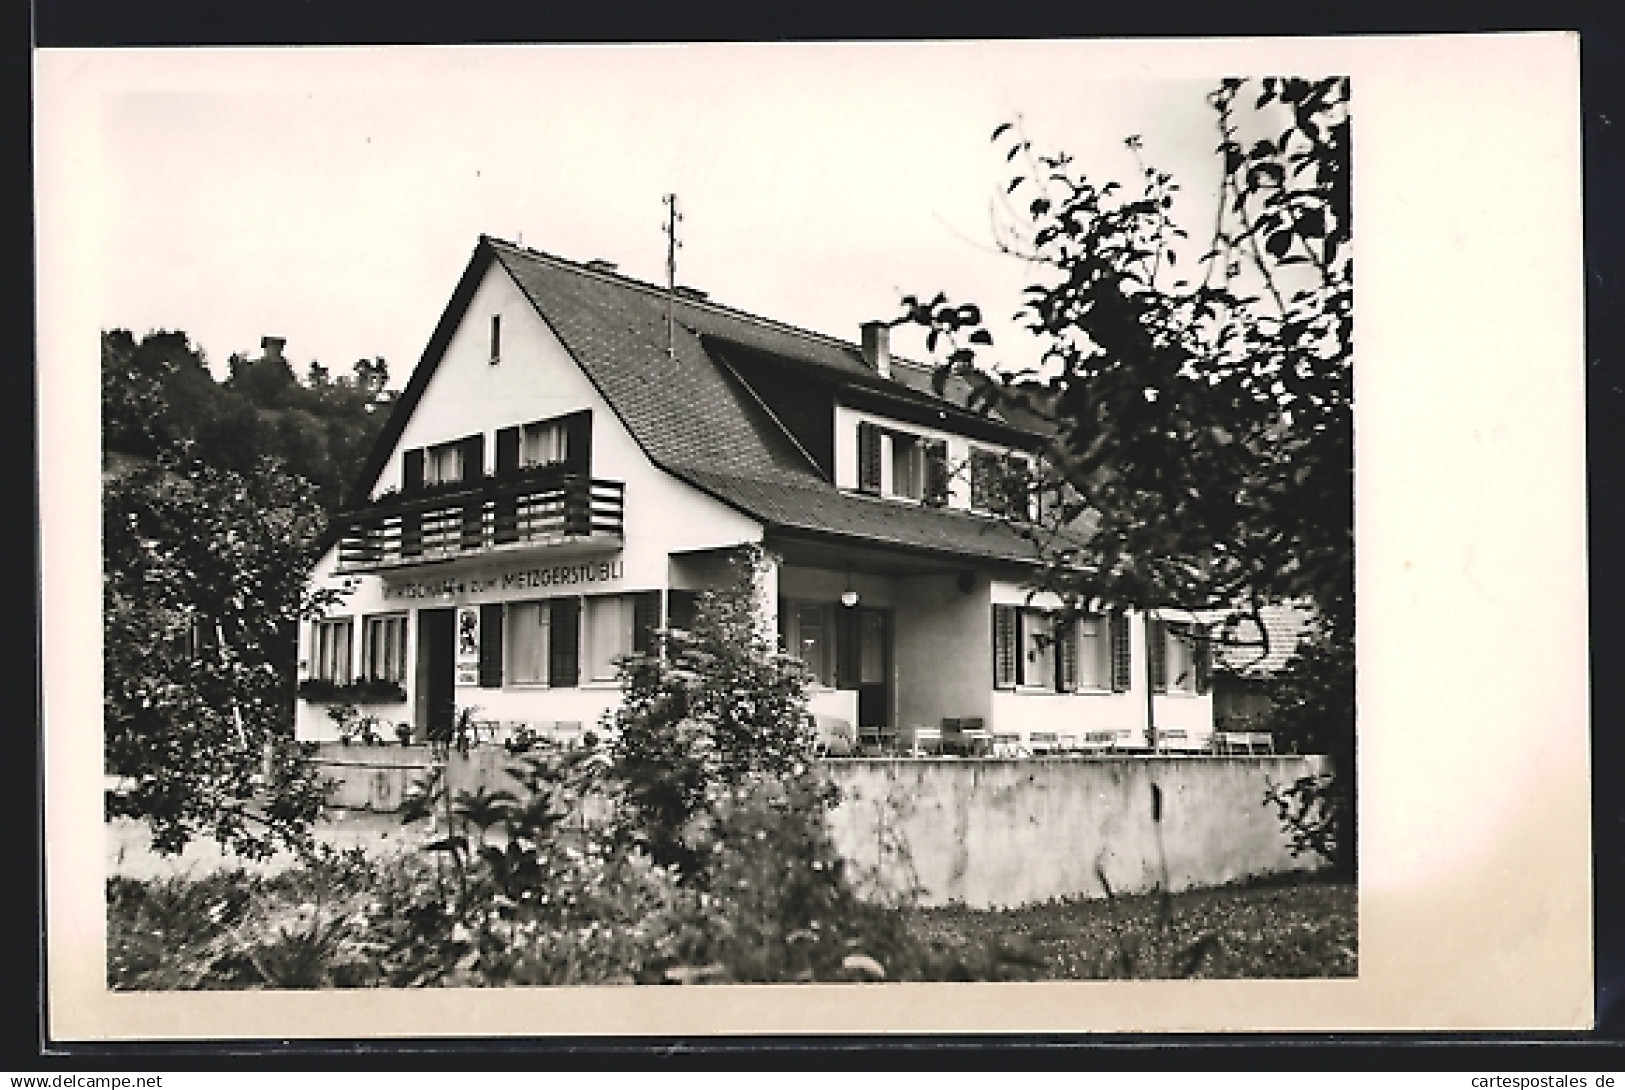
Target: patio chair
<point>1068,743</point>
<point>876,740</point>
<point>1260,741</point>
<point>977,737</point>
<point>1043,741</point>
<point>1007,745</point>
<point>953,739</point>
<point>1098,741</point>
<point>927,738</point>
<point>1173,740</point>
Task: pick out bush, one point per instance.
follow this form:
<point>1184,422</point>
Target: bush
<point>716,708</point>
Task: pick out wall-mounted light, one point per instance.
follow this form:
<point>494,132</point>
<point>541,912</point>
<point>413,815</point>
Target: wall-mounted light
<point>849,596</point>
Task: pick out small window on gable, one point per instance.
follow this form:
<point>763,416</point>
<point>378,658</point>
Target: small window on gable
<point>496,338</point>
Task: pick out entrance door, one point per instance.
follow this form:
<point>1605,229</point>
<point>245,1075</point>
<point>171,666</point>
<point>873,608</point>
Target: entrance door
<point>436,672</point>
<point>864,663</point>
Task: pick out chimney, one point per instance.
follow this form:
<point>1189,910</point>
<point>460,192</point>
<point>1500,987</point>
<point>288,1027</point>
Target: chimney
<point>877,347</point>
<point>272,347</point>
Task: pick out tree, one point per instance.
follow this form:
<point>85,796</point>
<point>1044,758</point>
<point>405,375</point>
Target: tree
<point>205,579</point>
<point>722,709</point>
<point>1201,420</point>
<point>158,395</point>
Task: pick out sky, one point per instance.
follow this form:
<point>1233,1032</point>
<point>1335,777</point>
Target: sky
<point>333,196</point>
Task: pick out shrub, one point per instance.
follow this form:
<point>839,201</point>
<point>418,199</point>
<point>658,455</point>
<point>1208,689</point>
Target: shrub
<point>717,708</point>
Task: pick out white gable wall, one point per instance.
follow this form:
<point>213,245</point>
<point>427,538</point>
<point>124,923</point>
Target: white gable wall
<point>535,379</point>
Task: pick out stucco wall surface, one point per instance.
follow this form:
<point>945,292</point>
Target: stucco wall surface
<point>994,833</point>
<point>989,833</point>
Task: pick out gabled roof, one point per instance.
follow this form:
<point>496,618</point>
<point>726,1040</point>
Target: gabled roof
<point>694,413</point>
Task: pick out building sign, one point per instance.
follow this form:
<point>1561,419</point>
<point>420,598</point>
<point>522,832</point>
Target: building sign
<point>557,578</point>
<point>468,645</point>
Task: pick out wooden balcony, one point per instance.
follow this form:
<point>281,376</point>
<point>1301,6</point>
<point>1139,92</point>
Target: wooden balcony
<point>495,514</point>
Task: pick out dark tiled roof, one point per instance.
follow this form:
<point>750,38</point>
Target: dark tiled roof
<point>698,422</point>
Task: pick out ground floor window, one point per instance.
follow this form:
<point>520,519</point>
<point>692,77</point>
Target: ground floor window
<point>808,632</point>
<point>1091,653</point>
<point>383,647</point>
<point>1181,657</point>
<point>1037,649</point>
<point>330,650</point>
<point>527,640</point>
<point>615,626</point>
<point>561,641</point>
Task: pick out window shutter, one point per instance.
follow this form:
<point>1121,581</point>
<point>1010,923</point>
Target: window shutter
<point>1122,664</point>
<point>412,470</point>
<point>578,443</point>
<point>681,606</point>
<point>505,507</point>
<point>1156,637</point>
<point>474,508</point>
<point>507,451</point>
<point>491,645</point>
<point>1066,656</point>
<point>936,473</point>
<point>563,642</point>
<point>868,457</point>
<point>473,458</point>
<point>1203,654</point>
<point>1006,648</point>
<point>645,620</point>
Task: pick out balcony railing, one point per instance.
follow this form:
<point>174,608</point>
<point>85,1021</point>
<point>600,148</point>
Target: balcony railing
<point>494,514</point>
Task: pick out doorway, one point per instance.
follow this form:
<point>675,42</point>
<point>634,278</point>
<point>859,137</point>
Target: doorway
<point>436,673</point>
<point>864,663</point>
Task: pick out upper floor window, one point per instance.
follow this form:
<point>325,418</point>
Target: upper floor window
<point>558,441</point>
<point>544,443</point>
<point>902,464</point>
<point>1000,484</point>
<point>496,338</point>
<point>443,464</point>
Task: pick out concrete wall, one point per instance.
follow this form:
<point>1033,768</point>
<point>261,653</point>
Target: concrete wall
<point>995,833</point>
<point>988,833</point>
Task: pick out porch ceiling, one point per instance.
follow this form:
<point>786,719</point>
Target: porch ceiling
<point>869,559</point>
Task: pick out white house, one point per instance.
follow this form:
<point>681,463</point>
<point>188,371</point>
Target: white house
<point>564,471</point>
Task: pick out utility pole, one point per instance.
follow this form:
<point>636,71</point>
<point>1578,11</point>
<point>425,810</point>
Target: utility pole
<point>673,218</point>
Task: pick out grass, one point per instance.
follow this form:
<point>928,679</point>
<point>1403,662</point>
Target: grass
<point>1285,927</point>
<point>293,930</point>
